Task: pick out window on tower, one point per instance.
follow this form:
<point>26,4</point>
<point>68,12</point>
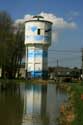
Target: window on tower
<point>38,32</point>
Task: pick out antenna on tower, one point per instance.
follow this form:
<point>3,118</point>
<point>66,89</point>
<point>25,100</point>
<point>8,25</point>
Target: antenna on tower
<point>38,17</point>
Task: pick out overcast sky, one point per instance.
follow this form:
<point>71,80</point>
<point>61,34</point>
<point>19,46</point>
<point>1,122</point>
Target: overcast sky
<point>67,18</point>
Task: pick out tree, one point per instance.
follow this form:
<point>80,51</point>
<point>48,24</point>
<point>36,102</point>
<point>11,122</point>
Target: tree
<point>18,48</point>
<point>5,30</point>
<point>11,46</point>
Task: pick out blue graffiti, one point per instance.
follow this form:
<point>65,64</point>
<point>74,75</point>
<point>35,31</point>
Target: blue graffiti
<point>35,54</point>
<point>38,37</point>
<point>38,53</point>
<point>33,28</point>
<point>31,54</point>
<point>35,74</point>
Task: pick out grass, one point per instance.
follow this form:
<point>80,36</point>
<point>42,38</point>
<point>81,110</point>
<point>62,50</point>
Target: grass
<point>73,109</point>
<point>26,81</point>
<point>78,104</point>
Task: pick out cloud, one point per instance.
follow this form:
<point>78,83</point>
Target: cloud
<point>19,21</point>
<point>58,23</point>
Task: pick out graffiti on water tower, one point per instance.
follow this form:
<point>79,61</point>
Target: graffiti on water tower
<point>37,53</point>
<point>34,28</point>
<point>38,38</point>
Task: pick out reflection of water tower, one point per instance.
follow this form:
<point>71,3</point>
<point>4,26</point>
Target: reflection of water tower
<point>37,41</point>
<point>35,101</point>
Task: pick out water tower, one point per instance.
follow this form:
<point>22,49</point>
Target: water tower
<point>37,40</point>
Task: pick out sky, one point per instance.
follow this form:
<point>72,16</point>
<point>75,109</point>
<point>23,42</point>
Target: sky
<point>67,18</point>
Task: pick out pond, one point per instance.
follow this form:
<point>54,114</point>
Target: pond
<point>30,104</point>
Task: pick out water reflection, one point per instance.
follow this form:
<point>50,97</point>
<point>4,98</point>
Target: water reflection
<point>30,104</point>
<point>35,105</point>
<point>11,106</point>
<point>41,104</point>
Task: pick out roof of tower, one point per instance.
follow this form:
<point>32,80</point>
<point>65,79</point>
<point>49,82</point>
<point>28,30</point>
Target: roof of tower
<point>38,18</point>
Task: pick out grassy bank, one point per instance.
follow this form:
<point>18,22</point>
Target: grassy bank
<point>32,81</point>
<point>72,110</point>
<point>78,104</point>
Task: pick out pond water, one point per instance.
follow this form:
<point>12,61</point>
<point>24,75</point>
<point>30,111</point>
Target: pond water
<point>29,104</point>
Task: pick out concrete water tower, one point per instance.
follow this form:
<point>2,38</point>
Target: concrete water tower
<point>37,40</point>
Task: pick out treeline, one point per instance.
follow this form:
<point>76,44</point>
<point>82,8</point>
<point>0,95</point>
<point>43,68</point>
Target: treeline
<point>11,45</point>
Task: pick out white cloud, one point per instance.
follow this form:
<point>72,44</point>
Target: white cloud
<point>28,17</point>
<point>19,21</point>
<point>58,23</point>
